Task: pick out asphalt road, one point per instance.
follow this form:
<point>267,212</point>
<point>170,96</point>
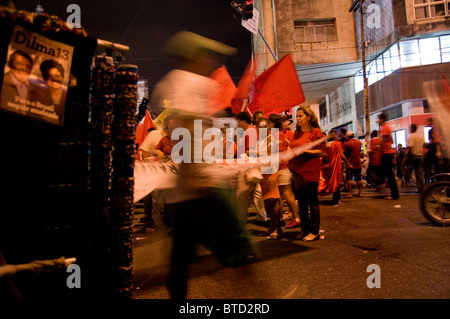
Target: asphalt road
<point>411,257</point>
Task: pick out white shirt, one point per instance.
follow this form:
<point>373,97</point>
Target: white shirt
<point>151,140</point>
<point>415,142</point>
<point>187,92</point>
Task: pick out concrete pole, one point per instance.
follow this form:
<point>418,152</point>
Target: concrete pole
<point>366,80</point>
<point>269,30</point>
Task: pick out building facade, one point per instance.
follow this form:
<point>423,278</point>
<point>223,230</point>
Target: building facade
<point>406,43</point>
<point>407,46</point>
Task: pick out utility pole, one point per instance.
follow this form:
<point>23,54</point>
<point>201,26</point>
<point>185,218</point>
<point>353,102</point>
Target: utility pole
<point>358,4</point>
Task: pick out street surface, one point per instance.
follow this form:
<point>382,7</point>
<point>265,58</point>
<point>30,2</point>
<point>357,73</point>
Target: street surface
<point>411,257</point>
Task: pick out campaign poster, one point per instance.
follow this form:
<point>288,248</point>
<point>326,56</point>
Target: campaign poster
<point>36,77</point>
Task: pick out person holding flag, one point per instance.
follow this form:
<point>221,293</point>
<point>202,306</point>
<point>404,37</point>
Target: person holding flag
<point>203,211</point>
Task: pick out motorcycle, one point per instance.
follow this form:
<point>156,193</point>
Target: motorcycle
<point>434,200</point>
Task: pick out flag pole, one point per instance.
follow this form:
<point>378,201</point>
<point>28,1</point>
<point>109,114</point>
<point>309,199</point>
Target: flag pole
<point>244,105</point>
<point>267,45</point>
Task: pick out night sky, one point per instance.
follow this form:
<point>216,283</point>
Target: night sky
<point>145,26</point>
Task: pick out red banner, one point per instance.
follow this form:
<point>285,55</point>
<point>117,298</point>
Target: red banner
<point>278,88</point>
<point>141,130</point>
<point>224,92</point>
<point>244,87</point>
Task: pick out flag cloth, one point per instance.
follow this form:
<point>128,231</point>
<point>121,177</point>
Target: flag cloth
<point>244,87</point>
<point>224,91</point>
<point>331,175</point>
<point>141,130</point>
<point>277,89</point>
<point>159,121</point>
<point>446,85</point>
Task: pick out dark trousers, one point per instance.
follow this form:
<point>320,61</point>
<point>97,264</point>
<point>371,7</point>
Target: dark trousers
<point>376,175</point>
<point>337,196</point>
<point>387,162</point>
<point>306,192</point>
<point>430,165</point>
<point>148,209</point>
<point>416,165</point>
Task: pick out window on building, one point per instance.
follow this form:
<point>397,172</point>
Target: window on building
<point>394,113</point>
<point>323,30</point>
<point>409,53</point>
<point>445,48</point>
<point>405,54</point>
<point>372,72</point>
<point>425,9</point>
<point>395,57</point>
<point>426,130</point>
<point>380,68</point>
<point>429,51</point>
<point>359,81</point>
<point>400,138</point>
<point>323,110</point>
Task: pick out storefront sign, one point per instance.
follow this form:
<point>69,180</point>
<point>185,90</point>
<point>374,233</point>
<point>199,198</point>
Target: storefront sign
<point>252,24</point>
<point>394,125</point>
<point>36,77</point>
<point>340,104</point>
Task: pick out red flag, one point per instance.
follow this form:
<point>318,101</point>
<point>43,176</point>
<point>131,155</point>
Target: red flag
<point>277,89</point>
<point>446,85</point>
<point>141,130</point>
<point>244,87</point>
<point>225,90</point>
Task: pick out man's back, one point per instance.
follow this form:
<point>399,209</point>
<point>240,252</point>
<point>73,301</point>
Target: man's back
<point>353,149</point>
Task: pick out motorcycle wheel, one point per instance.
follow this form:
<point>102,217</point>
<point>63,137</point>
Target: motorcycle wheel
<point>434,203</point>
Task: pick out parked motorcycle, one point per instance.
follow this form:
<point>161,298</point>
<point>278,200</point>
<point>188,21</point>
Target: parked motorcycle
<point>434,200</point>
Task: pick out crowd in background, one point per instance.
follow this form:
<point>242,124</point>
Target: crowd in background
<point>206,210</point>
<point>289,197</point>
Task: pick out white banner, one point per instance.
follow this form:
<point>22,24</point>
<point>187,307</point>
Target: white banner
<point>150,176</point>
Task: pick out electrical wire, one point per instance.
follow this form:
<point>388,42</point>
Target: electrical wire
<point>133,21</point>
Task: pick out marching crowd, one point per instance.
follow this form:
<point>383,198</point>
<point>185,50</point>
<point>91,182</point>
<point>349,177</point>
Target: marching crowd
<point>205,210</point>
<point>339,164</point>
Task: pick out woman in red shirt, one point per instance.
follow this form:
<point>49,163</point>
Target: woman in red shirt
<point>165,145</point>
<point>306,170</point>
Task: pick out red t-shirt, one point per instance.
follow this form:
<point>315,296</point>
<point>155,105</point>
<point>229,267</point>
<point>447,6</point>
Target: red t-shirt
<point>353,149</point>
<point>375,154</point>
<point>285,141</point>
<point>305,165</point>
<point>289,135</point>
<point>385,131</point>
<point>250,141</point>
<point>165,145</point>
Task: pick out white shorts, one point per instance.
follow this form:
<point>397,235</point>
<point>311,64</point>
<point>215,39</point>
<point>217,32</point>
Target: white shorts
<point>284,177</point>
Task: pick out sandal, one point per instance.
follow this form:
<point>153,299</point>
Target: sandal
<point>301,235</point>
<point>273,236</point>
<point>310,237</point>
